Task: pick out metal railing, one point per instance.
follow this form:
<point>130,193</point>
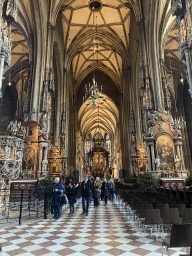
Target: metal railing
<point>18,205</point>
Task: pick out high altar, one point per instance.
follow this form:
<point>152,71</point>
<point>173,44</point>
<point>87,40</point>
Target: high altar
<point>98,158</point>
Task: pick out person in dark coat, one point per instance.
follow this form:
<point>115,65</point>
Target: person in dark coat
<point>85,193</point>
<point>111,189</point>
<point>96,196</point>
<point>71,194</point>
<point>92,189</point>
<point>58,189</point>
<point>105,189</point>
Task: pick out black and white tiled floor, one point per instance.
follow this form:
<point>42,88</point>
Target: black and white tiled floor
<point>103,233</point>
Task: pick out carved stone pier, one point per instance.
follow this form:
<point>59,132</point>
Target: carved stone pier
<point>11,153</point>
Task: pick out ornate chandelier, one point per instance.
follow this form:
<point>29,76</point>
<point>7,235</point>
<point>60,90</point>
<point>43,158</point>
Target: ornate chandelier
<point>93,95</point>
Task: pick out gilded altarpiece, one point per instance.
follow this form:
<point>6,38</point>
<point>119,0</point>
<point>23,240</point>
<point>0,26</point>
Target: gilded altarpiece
<point>164,145</point>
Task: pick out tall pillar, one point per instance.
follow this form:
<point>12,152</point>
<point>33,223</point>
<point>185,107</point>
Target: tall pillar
<point>182,9</point>
<point>2,60</point>
<point>188,56</point>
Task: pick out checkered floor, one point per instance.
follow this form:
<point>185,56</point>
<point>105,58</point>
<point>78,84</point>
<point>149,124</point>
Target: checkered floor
<point>104,232</point>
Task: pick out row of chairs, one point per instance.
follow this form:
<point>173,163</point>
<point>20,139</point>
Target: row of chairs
<point>145,217</point>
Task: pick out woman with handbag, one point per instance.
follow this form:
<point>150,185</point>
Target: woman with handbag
<point>71,194</point>
<point>58,189</point>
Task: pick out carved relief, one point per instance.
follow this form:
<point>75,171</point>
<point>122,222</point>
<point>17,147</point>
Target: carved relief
<point>166,84</point>
<point>11,153</point>
<point>43,125</point>
<point>54,161</point>
<point>141,156</point>
<point>159,122</point>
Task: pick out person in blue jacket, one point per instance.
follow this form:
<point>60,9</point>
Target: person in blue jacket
<point>58,189</point>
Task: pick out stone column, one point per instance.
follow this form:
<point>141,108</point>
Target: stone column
<point>188,57</point>
<point>2,61</point>
<point>40,160</point>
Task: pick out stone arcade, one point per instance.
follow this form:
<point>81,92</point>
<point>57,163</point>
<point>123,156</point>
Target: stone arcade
<point>134,60</point>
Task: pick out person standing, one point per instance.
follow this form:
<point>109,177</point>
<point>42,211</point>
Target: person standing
<point>111,189</point>
<point>85,193</point>
<point>58,189</point>
<point>98,183</point>
<point>96,196</point>
<point>92,189</point>
<point>63,180</point>
<point>71,194</point>
<point>106,190</point>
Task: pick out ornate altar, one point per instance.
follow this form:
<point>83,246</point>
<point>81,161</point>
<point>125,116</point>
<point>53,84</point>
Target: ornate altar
<point>98,158</point>
<point>138,156</point>
<point>55,162</point>
<point>164,145</point>
<point>35,152</point>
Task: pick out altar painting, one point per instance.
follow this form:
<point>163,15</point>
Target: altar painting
<point>28,159</point>
<point>165,151</point>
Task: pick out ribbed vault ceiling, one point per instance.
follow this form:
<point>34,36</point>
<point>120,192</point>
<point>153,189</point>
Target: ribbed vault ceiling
<point>105,117</point>
<point>111,21</point>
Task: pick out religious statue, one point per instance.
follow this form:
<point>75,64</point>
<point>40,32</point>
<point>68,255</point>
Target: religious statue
<point>177,164</point>
<point>157,163</point>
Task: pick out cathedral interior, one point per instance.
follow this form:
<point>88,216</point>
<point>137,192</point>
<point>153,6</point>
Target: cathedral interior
<point>96,87</point>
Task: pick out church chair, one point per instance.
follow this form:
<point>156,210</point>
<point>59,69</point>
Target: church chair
<point>181,236</point>
<point>181,208</point>
<point>162,207</point>
<point>153,221</point>
<point>170,216</point>
<point>187,215</point>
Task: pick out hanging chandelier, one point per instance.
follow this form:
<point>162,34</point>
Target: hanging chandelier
<point>93,95</point>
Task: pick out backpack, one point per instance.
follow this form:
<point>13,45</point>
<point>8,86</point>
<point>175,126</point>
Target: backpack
<point>111,186</point>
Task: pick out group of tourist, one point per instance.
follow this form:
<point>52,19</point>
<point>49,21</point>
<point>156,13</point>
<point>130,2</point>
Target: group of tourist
<point>91,190</point>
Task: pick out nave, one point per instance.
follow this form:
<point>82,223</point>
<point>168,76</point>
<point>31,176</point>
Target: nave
<point>104,232</point>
